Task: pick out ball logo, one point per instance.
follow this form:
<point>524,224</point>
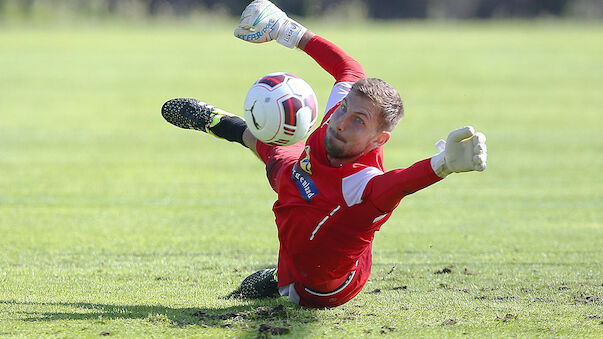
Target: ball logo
<point>255,123</point>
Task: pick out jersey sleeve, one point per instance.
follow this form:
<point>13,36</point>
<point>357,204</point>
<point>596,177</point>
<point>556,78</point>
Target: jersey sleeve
<point>386,190</point>
<point>334,60</point>
<point>345,69</point>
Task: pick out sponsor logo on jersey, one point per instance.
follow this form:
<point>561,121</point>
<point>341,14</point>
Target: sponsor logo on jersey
<point>304,163</point>
<point>304,183</point>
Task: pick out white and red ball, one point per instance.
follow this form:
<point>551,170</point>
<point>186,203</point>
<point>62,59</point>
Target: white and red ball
<point>280,109</point>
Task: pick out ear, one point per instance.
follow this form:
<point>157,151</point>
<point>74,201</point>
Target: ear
<point>382,138</point>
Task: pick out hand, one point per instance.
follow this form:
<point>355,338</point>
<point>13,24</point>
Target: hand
<point>464,151</point>
<point>262,21</point>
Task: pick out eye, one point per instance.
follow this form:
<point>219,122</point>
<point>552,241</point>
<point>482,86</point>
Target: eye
<point>344,108</point>
<point>359,120</point>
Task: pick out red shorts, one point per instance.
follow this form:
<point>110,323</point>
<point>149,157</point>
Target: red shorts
<point>307,297</point>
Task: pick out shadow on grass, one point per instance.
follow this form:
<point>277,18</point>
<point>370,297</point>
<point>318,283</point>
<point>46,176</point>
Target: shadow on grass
<point>267,316</point>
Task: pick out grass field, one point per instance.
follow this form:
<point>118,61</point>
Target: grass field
<point>113,222</point>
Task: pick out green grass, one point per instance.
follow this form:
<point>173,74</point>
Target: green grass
<point>114,222</point>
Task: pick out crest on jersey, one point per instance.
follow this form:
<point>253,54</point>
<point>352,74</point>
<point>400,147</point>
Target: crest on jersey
<point>304,163</point>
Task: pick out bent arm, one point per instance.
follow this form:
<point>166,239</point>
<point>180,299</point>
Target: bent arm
<point>385,191</point>
<point>331,58</point>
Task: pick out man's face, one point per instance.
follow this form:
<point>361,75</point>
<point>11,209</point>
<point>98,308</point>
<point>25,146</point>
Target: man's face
<point>354,129</point>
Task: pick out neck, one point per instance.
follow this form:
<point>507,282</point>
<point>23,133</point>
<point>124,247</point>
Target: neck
<point>338,162</point>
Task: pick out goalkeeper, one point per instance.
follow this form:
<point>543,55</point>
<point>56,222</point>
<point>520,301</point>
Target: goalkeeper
<point>333,190</point>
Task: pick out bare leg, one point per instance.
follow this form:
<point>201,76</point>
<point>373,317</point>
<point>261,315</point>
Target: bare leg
<point>250,141</point>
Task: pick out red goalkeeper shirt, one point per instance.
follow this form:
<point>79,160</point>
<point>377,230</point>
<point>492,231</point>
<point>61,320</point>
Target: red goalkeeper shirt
<point>327,216</point>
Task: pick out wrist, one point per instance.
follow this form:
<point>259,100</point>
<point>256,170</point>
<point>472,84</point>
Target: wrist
<point>290,33</point>
<point>438,164</point>
<point>308,35</point>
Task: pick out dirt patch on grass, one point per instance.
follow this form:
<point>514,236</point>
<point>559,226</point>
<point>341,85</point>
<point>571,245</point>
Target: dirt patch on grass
<point>585,299</point>
<point>467,271</point>
<point>386,329</point>
<point>378,290</point>
<point>445,270</point>
<point>264,312</point>
<point>507,317</point>
<point>498,298</point>
<point>265,321</point>
<point>266,329</point>
<point>278,311</point>
<point>449,322</point>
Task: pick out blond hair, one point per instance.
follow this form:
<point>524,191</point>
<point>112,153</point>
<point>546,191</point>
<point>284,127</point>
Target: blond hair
<point>385,97</point>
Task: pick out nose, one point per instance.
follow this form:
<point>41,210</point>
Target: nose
<point>338,123</point>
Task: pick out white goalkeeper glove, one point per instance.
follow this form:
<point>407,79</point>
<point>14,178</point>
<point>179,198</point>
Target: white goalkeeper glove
<point>262,21</point>
<point>465,151</point>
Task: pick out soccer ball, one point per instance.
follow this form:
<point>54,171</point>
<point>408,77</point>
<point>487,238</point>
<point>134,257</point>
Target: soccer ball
<point>280,109</point>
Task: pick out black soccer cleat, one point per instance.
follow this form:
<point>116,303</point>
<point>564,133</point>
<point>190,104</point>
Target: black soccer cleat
<point>261,284</point>
<point>191,114</point>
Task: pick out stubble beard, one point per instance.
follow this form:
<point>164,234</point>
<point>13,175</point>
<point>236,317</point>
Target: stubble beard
<point>332,149</point>
<point>338,152</point>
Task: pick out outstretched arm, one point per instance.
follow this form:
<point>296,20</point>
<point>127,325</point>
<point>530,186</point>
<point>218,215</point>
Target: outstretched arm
<point>385,191</point>
<point>345,69</point>
<point>331,58</point>
<point>464,151</point>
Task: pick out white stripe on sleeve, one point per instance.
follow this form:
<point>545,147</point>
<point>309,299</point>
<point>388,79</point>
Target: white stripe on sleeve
<point>353,185</point>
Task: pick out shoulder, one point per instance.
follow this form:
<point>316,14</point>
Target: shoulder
<point>354,184</point>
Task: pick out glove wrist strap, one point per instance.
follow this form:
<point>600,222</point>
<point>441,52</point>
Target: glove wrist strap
<point>290,34</point>
<point>438,164</point>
